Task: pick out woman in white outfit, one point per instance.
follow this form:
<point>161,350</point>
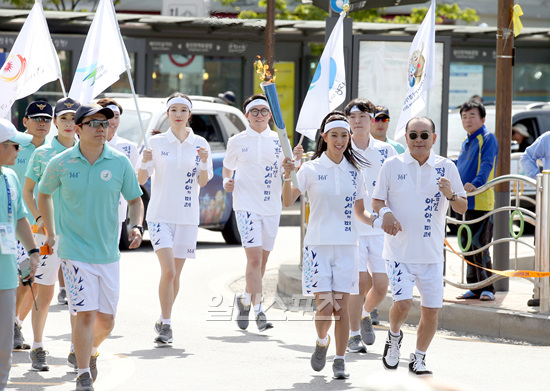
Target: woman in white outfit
<point>335,186</point>
<point>179,163</point>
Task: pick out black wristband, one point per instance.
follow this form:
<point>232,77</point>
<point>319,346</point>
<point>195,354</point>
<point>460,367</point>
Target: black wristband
<point>140,227</point>
<point>34,250</point>
<point>39,217</point>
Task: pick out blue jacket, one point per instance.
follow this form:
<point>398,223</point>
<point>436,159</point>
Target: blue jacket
<point>476,165</point>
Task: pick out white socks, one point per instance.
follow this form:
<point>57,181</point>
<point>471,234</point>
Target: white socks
<point>246,298</point>
<point>36,345</point>
<point>354,333</point>
<point>323,341</point>
<point>365,314</point>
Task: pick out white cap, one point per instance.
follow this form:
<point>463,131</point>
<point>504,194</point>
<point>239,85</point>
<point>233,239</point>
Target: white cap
<point>521,129</point>
<point>8,132</point>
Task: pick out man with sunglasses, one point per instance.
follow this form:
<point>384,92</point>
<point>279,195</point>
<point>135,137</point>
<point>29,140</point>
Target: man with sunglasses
<point>379,130</point>
<point>90,178</point>
<point>13,223</point>
<point>37,121</point>
<point>411,196</point>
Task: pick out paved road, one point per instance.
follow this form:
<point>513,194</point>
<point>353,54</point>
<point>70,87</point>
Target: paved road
<point>210,353</point>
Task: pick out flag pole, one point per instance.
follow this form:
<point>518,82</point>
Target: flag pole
<point>127,63</point>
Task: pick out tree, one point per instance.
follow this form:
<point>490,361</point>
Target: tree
<point>58,5</point>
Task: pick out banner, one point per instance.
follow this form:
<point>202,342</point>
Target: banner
<point>32,61</point>
<point>104,56</point>
<point>328,87</point>
<point>420,72</point>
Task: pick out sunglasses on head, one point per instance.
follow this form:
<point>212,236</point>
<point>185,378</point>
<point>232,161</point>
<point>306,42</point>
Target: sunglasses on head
<point>42,119</point>
<point>423,135</point>
<point>96,123</point>
<point>382,119</point>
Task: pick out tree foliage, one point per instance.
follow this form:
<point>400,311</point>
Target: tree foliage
<point>57,5</point>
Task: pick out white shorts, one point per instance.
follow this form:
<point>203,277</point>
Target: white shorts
<point>428,278</point>
<point>330,269</point>
<point>21,253</point>
<point>181,238</point>
<point>257,230</point>
<point>369,253</point>
<point>91,286</point>
<point>48,265</point>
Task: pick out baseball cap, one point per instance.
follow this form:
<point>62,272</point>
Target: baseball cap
<point>9,133</point>
<point>39,108</point>
<point>521,129</point>
<point>66,105</point>
<point>88,110</point>
<point>382,110</point>
<point>228,96</point>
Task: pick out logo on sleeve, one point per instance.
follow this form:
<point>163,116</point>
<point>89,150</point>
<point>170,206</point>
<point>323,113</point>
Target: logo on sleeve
<point>106,175</point>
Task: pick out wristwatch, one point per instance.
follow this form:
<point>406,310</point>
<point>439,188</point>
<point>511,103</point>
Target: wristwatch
<point>454,197</point>
<point>140,227</point>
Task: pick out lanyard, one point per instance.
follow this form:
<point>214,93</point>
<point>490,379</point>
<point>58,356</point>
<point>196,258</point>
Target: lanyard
<point>10,212</point>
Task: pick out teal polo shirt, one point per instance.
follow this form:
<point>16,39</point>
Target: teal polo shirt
<point>20,167</point>
<point>398,147</point>
<point>88,205</point>
<point>37,166</point>
<point>8,262</point>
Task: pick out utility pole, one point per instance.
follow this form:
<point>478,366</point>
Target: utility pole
<point>270,35</point>
<point>503,132</point>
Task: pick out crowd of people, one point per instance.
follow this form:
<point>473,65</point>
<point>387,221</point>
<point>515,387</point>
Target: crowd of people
<point>377,220</point>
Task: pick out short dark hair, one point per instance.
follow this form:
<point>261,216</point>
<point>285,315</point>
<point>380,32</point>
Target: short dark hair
<point>421,118</point>
<point>253,97</point>
<point>362,104</point>
<point>473,104</point>
<point>104,102</point>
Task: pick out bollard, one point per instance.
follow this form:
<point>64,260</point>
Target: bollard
<point>545,242</point>
<point>538,236</point>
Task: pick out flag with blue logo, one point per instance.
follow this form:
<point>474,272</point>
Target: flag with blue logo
<point>103,58</point>
<point>420,72</point>
<point>328,87</point>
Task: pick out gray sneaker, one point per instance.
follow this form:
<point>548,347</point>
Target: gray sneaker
<point>319,356</point>
<point>244,311</point>
<point>339,369</point>
<point>367,331</point>
<point>62,297</point>
<point>262,323</point>
<point>18,340</point>
<point>158,327</point>
<point>93,366</point>
<point>71,359</point>
<point>165,335</point>
<point>374,317</point>
<point>84,382</point>
<point>38,360</point>
<point>356,345</point>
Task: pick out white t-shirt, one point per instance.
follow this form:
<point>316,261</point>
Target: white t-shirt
<point>256,159</point>
<point>332,190</point>
<point>376,154</point>
<point>174,172</point>
<point>129,149</point>
<point>412,193</point>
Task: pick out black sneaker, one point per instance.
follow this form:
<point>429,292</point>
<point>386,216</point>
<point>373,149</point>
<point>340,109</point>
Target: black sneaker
<point>390,358</point>
<point>374,317</point>
<point>339,369</point>
<point>18,340</point>
<point>417,366</point>
<point>244,311</point>
<point>262,323</point>
<point>84,382</point>
<point>319,356</point>
<point>38,360</point>
<point>165,335</point>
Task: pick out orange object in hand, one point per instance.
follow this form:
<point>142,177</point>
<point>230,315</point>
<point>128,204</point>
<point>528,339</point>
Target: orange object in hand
<point>44,250</point>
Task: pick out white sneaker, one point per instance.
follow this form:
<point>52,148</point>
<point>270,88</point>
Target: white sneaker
<point>417,366</point>
<point>390,358</point>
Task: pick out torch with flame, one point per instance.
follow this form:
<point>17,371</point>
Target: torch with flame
<point>270,91</point>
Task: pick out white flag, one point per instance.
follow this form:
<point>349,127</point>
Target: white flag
<point>328,87</point>
<point>420,72</point>
<point>103,57</point>
<point>32,62</point>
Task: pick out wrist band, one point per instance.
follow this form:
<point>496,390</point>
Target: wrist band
<point>33,250</point>
<point>375,218</point>
<point>287,179</point>
<point>36,219</point>
<point>145,166</point>
<point>225,180</point>
<point>383,211</point>
<point>203,166</point>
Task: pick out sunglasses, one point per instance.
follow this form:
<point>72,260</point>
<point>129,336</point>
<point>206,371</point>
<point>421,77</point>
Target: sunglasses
<point>382,119</point>
<point>16,146</point>
<point>96,123</point>
<point>423,135</point>
<point>42,119</point>
<point>255,112</point>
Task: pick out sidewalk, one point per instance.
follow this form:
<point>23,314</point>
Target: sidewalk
<point>508,316</point>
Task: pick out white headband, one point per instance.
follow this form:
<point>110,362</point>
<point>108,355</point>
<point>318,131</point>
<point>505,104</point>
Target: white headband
<point>336,124</point>
<point>114,108</point>
<point>179,99</point>
<point>255,102</point>
<point>355,108</point>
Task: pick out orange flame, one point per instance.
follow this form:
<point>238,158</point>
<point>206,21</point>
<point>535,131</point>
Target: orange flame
<point>263,70</point>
